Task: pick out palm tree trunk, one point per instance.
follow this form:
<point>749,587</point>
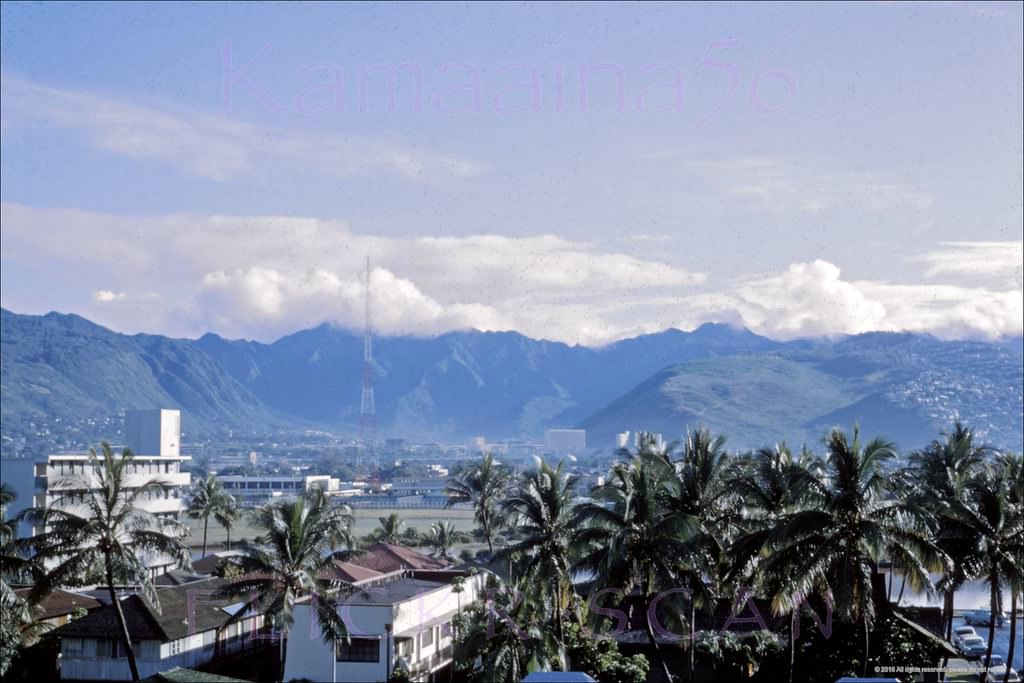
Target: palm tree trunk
<point>794,615</point>
<point>206,524</point>
<point>654,641</point>
<point>228,541</point>
<point>693,634</point>
<point>284,652</point>
<point>950,597</point>
<point>1013,633</point>
<point>126,638</point>
<point>993,579</point>
<point>867,645</point>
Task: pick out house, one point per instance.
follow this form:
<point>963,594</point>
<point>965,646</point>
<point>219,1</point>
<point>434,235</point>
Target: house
<point>60,606</point>
<point>187,631</point>
<point>401,619</point>
<point>384,558</point>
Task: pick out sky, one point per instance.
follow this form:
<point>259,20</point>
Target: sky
<point>581,173</point>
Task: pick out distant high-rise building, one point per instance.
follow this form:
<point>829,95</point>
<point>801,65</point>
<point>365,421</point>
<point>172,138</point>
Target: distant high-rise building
<point>565,440</point>
<point>622,440</point>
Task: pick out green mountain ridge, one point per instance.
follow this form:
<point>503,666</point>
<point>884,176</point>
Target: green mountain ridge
<point>65,379</point>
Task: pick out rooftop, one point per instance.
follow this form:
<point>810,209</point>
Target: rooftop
<point>145,622</point>
<point>61,602</point>
<point>392,592</point>
<point>385,557</point>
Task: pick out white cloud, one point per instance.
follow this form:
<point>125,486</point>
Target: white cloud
<point>264,276</point>
<point>809,299</point>
<point>792,184</point>
<point>1000,260</point>
<point>105,296</point>
<point>215,147</point>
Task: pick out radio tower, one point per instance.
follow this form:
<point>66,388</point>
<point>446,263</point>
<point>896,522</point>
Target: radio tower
<point>367,407</point>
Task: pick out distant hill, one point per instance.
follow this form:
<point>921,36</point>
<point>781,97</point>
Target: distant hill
<point>905,387</point>
<point>62,372</point>
<point>498,384</point>
<point>62,369</point>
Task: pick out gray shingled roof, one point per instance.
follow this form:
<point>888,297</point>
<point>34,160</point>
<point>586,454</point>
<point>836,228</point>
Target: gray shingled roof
<point>173,621</point>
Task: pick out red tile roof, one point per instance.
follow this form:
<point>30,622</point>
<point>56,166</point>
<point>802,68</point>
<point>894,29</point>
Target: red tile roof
<point>347,571</point>
<point>384,558</point>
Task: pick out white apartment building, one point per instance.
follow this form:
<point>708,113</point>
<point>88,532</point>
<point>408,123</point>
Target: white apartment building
<point>65,481</point>
<point>398,620</point>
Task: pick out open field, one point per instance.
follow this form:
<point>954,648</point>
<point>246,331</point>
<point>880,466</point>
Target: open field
<point>366,521</point>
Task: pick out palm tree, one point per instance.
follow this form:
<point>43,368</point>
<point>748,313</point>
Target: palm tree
<point>833,545</point>
<point>990,526</point>
<point>938,474</point>
<point>441,538</point>
<point>769,484</point>
<point>106,533</point>
<point>226,515</point>
<point>390,529</point>
<point>294,557</point>
<point>1013,474</point>
<point>207,500</point>
<point>509,634</point>
<point>541,505</point>
<point>632,539</point>
<point>18,624</point>
<point>701,494</point>
<point>481,485</point>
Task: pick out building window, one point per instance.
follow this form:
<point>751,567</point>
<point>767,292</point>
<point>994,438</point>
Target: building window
<point>359,650</point>
<point>446,629</point>
<point>427,638</point>
<point>72,647</point>
<point>111,648</point>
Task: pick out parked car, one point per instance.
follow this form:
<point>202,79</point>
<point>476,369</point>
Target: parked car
<point>973,647</point>
<point>997,669</point>
<point>981,617</point>
<point>961,632</point>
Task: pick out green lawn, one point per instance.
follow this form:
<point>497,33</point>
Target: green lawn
<point>366,521</point>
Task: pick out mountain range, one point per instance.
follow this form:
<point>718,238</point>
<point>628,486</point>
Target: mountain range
<point>64,369</point>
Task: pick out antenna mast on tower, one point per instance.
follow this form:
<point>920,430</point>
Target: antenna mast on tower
<point>367,406</point>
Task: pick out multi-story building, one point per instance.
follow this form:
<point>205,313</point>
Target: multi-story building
<point>255,490</point>
<point>399,620</point>
<point>66,481</point>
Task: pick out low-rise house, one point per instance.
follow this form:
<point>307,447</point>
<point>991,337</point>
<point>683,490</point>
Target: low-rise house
<point>398,620</point>
<point>60,606</point>
<point>384,558</point>
<point>187,631</point>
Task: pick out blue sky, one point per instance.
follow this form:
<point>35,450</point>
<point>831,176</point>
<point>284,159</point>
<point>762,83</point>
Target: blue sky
<point>822,169</point>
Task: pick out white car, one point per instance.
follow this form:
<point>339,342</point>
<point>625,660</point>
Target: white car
<point>973,647</point>
<point>961,632</point>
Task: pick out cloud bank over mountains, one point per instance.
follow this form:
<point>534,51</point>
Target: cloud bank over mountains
<point>264,276</point>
